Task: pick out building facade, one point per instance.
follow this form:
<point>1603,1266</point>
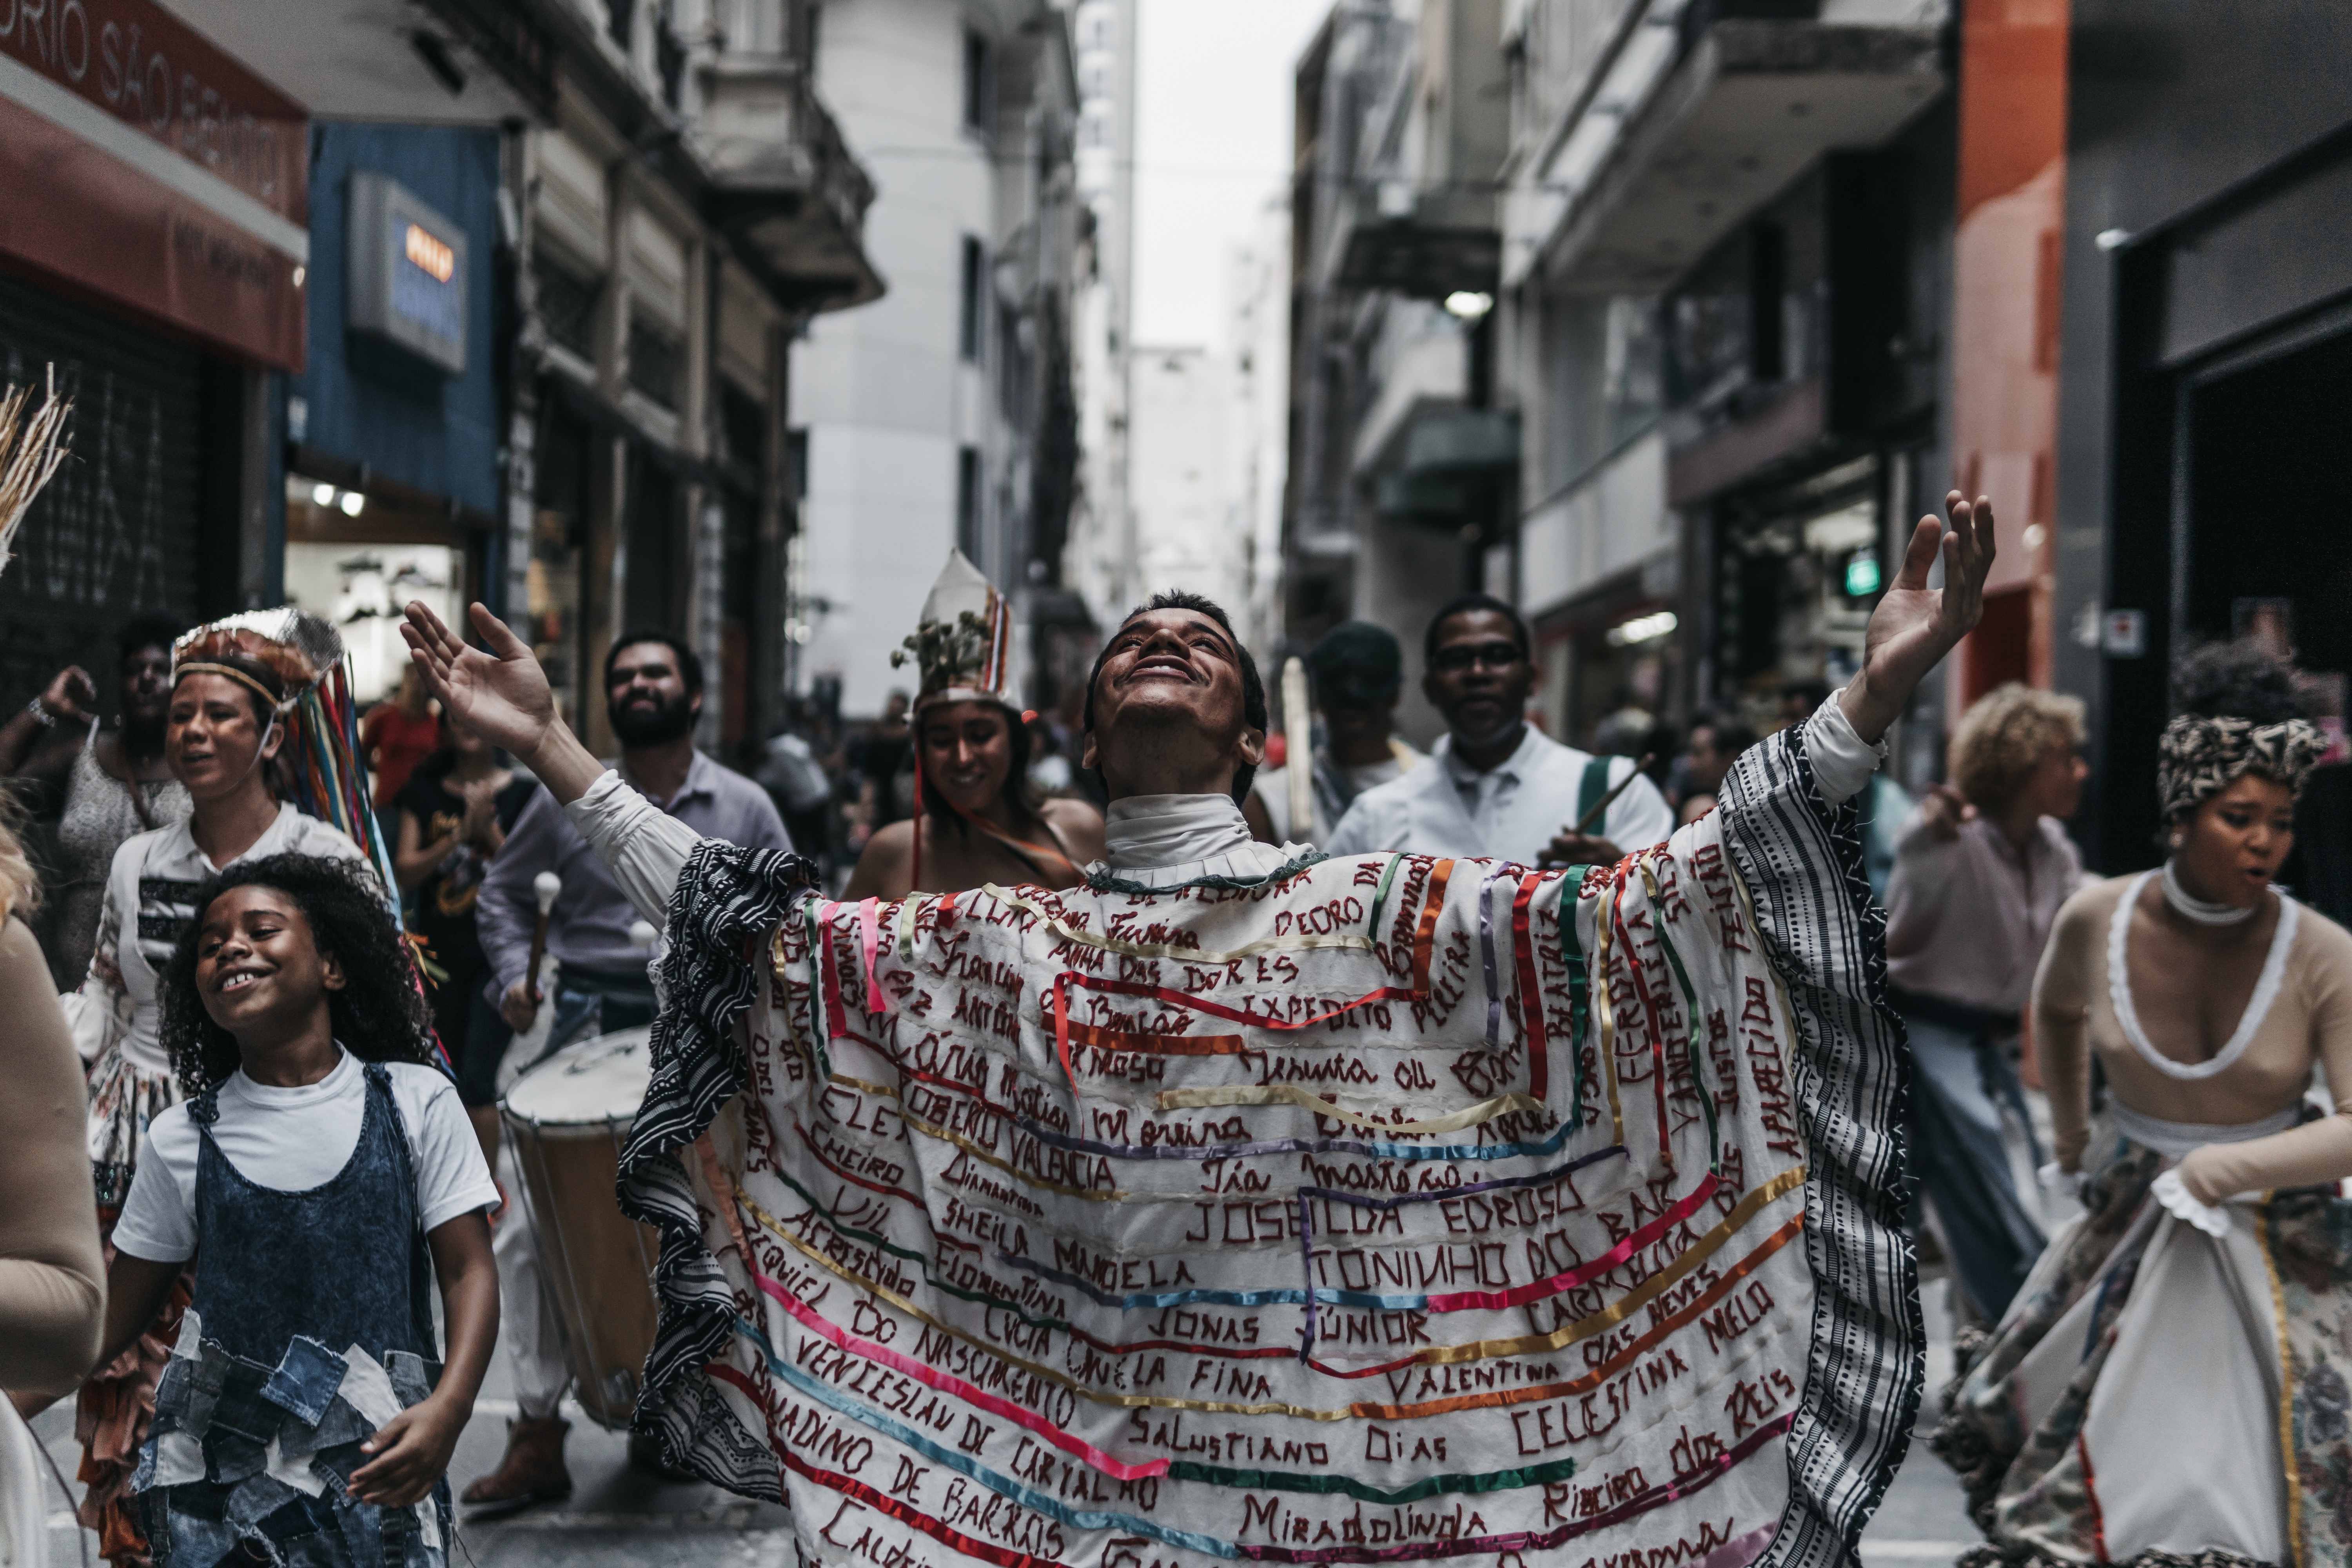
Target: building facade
<point>158,261</point>
<point>688,208</point>
<point>2204,368</point>
<point>1257,337</point>
<point>944,415</point>
<point>475,299</point>
<point>1401,461</point>
<point>1725,228</point>
<point>1099,567</point>
<point>392,486</point>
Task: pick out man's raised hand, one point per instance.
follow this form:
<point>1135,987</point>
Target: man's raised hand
<point>499,691</point>
<point>1916,626</point>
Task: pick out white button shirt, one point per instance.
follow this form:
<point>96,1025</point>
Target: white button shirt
<point>1511,812</point>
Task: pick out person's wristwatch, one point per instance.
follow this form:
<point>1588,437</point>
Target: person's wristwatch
<point>41,716</point>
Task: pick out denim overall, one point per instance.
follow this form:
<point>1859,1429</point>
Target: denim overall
<point>285,1283</point>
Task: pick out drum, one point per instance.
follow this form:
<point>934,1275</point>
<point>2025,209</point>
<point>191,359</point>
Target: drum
<point>567,1119</point>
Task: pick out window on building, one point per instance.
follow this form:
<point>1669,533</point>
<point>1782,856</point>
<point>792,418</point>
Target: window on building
<point>1767,280</point>
<point>762,27</point>
<point>972,300</point>
<point>968,502</point>
<point>656,362</point>
<point>976,65</point>
<point>812,16</point>
<point>669,60</point>
<point>742,429</point>
<point>567,304</point>
<point>620,21</point>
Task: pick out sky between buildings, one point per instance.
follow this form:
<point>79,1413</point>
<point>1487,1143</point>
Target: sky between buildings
<point>1213,141</point>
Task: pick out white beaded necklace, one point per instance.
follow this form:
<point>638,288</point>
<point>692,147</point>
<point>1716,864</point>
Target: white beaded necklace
<point>2258,1006</point>
<point>2191,908</point>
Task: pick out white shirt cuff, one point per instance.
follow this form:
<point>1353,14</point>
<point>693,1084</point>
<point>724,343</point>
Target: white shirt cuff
<point>1842,763</point>
<point>645,848</point>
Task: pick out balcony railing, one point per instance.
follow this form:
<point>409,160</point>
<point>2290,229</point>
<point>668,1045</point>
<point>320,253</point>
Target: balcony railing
<point>782,179</point>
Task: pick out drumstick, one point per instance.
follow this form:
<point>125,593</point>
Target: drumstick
<point>545,887</point>
<point>1298,748</point>
<point>1589,818</point>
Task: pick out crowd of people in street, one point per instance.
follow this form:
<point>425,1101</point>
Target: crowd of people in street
<point>258,1057</point>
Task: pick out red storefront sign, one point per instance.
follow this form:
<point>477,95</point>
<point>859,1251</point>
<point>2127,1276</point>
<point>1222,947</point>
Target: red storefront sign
<point>143,165</point>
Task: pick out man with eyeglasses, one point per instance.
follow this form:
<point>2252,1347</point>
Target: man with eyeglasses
<point>1501,787</point>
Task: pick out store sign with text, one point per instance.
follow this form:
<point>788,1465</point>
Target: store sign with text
<point>148,168</point>
<point>407,283</point>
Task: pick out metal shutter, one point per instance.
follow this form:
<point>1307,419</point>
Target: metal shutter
<point>114,535</point>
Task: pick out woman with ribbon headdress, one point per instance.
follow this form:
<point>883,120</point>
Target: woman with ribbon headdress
<point>2171,1380</point>
<point>252,695</point>
<point>976,820</point>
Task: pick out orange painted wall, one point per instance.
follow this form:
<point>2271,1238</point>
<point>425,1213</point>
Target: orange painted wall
<point>2007,269</point>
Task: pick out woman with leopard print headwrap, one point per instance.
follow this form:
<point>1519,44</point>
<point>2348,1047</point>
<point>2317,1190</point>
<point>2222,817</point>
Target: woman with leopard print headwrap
<point>2172,1381</point>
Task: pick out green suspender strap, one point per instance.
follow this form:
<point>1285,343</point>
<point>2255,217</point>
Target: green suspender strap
<point>1591,792</point>
<point>1579,989</point>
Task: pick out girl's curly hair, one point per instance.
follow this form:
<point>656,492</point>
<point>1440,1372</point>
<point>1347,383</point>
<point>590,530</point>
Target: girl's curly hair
<point>379,1015</point>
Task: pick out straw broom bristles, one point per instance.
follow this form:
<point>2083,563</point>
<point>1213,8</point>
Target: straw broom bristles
<point>32,446</point>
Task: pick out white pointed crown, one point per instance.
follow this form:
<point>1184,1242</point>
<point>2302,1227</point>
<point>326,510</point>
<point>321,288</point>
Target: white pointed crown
<point>963,647</point>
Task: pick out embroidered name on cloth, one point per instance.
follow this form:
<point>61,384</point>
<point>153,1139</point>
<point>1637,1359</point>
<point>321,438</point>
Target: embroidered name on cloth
<point>1404,1209</point>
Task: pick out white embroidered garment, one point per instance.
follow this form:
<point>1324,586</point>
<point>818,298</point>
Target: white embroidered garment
<point>1167,841</point>
<point>1401,1208</point>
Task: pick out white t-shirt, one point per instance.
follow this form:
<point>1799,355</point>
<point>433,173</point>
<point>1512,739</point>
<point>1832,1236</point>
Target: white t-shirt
<point>150,900</point>
<point>291,1140</point>
<point>1510,812</point>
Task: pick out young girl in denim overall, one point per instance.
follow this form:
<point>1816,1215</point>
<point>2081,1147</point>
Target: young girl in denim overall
<point>323,1174</point>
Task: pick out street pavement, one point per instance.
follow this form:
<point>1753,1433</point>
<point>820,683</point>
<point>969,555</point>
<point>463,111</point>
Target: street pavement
<point>627,1518</point>
<point>1923,1520</point>
<point>619,1515</point>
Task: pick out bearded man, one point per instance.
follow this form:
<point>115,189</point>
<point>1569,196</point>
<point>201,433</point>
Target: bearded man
<point>1248,1203</point>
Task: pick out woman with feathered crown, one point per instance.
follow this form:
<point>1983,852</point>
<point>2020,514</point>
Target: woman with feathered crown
<point>977,818</point>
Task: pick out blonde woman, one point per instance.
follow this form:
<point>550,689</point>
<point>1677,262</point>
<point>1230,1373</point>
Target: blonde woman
<point>52,1297</point>
<point>1979,873</point>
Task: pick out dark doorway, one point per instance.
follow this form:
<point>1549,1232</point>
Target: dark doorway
<point>655,583</point>
<point>2270,554</point>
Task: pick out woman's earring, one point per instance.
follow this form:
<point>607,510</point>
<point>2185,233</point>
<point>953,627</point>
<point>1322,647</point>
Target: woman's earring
<point>2176,840</point>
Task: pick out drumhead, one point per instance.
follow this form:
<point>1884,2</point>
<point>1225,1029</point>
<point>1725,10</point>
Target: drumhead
<point>595,1083</point>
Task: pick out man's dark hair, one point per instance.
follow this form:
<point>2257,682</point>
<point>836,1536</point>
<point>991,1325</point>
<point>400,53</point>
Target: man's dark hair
<point>1356,665</point>
<point>1727,733</point>
<point>147,631</point>
<point>689,662</point>
<point>1466,604</point>
<point>1254,710</point>
<point>380,1014</point>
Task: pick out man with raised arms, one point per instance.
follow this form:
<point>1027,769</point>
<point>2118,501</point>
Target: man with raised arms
<point>1245,1204</point>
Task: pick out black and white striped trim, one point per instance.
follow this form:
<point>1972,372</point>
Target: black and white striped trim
<point>1801,861</point>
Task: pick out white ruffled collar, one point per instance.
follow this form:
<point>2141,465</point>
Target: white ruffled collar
<point>1167,840</point>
